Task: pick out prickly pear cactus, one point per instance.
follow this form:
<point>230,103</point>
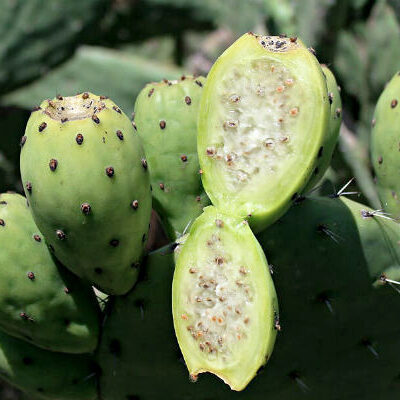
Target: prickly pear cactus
<point>46,375</point>
<point>85,176</point>
<point>223,300</point>
<point>331,345</point>
<point>332,132</point>
<point>166,117</point>
<point>385,146</point>
<point>262,121</point>
<point>41,302</point>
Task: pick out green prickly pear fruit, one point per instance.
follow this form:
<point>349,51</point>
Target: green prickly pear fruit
<point>332,132</point>
<point>86,179</point>
<point>262,121</point>
<point>166,116</point>
<point>223,300</point>
<point>385,146</point>
<point>46,375</point>
<point>41,302</point>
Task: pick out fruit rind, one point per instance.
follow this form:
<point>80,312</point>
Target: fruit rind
<point>332,132</point>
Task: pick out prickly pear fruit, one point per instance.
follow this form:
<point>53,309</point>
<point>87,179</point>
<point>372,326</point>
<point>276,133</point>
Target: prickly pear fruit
<point>41,302</point>
<point>86,180</point>
<point>332,133</point>
<point>46,375</point>
<point>223,300</point>
<point>262,121</point>
<point>166,117</point>
<point>385,146</point>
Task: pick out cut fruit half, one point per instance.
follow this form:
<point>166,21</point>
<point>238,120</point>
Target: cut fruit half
<point>224,302</point>
<point>262,121</point>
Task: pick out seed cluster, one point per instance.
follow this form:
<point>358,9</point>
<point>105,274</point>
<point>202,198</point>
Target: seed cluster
<point>220,300</point>
<point>249,141</point>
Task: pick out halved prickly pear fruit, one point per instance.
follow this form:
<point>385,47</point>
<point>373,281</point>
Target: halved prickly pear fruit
<point>40,301</point>
<point>223,299</point>
<point>262,121</point>
<point>385,146</point>
<point>332,133</point>
<point>86,179</point>
<point>166,118</point>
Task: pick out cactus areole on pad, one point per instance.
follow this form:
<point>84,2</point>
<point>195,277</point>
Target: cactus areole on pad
<point>262,121</point>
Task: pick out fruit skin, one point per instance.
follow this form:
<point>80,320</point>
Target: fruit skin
<point>332,132</point>
<point>166,117</point>
<point>41,302</point>
<point>222,251</point>
<point>326,351</point>
<point>46,375</point>
<point>259,199</point>
<point>385,146</point>
<point>87,182</point>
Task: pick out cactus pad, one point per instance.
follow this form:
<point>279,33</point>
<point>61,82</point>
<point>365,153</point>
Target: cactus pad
<point>46,375</point>
<point>339,337</point>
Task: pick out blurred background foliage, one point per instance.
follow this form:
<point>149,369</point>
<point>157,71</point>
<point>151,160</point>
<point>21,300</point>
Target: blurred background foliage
<point>114,47</point>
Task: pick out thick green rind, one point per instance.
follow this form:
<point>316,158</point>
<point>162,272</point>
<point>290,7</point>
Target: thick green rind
<point>41,302</point>
<point>332,132</point>
<point>385,146</point>
<point>235,236</point>
<point>260,207</point>
<point>56,196</point>
<point>171,151</point>
<point>44,374</point>
<point>316,348</point>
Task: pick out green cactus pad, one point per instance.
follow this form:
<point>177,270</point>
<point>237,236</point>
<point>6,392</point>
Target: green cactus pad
<point>385,146</point>
<point>223,300</point>
<point>46,375</point>
<point>339,336</point>
<point>166,117</point>
<point>262,121</point>
<point>332,133</point>
<point>41,302</point>
<point>86,179</point>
